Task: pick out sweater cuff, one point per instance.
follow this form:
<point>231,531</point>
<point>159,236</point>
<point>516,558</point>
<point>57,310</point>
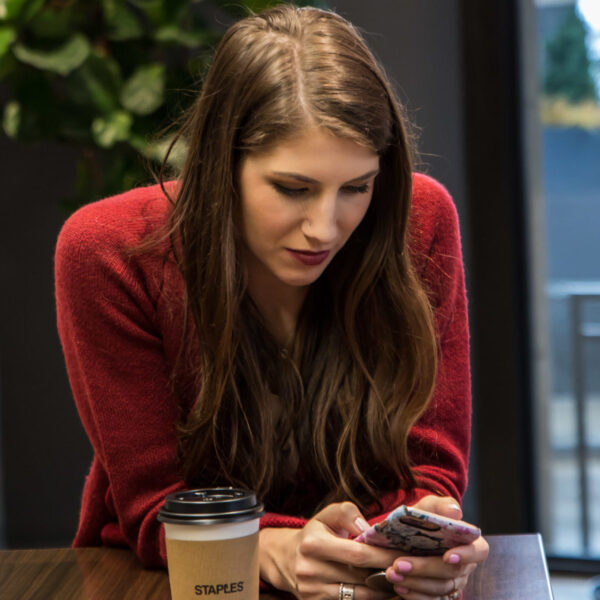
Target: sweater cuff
<point>277,520</point>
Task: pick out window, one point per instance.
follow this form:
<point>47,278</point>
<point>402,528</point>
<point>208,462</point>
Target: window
<point>568,412</point>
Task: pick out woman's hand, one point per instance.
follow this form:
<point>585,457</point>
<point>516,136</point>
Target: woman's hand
<point>312,562</point>
<point>429,578</point>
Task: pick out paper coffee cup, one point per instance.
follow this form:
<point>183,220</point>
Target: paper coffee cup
<point>212,543</point>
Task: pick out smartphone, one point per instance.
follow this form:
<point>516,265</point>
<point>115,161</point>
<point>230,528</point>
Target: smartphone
<point>415,532</point>
<point>419,532</point>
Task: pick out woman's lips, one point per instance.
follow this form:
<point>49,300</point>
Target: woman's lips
<point>309,258</point>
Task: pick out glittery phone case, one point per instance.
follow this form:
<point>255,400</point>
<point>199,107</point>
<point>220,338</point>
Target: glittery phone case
<point>419,532</point>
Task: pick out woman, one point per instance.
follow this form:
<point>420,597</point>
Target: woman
<point>288,315</point>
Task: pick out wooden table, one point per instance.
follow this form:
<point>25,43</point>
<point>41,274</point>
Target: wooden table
<point>516,569</point>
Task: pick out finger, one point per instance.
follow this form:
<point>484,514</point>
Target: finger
<point>432,588</point>
<point>343,518</point>
<point>348,552</point>
<point>441,505</point>
<point>361,592</point>
<point>475,552</point>
<point>404,594</point>
<point>327,572</point>
<point>332,590</point>
<point>430,567</point>
<point>453,563</point>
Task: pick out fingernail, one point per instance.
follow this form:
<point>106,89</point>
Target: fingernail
<point>394,577</point>
<point>455,507</point>
<point>402,566</point>
<point>361,523</point>
<point>401,590</point>
<point>454,559</point>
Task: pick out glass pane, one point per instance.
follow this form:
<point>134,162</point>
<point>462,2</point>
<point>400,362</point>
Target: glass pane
<point>566,532</point>
<point>594,473</point>
<point>569,67</point>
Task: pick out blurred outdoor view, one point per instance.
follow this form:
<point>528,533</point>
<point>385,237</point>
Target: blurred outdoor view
<point>569,66</point>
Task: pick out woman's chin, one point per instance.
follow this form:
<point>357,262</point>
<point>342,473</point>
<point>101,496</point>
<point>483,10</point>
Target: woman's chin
<point>302,281</point>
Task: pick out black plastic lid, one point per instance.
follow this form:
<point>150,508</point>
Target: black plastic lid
<point>210,506</point>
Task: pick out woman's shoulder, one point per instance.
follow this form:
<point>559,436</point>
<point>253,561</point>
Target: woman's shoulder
<point>431,201</point>
<point>117,239</point>
<point>124,219</point>
<point>107,248</point>
<point>433,215</point>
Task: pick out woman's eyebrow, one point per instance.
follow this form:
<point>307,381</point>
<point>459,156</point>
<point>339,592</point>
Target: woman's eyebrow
<point>297,176</point>
<point>365,176</point>
<point>306,179</point>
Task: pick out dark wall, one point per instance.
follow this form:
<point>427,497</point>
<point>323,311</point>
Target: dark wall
<point>418,42</point>
<point>44,450</point>
<point>493,40</point>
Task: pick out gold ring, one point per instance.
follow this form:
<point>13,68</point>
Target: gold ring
<point>455,593</point>
<point>346,591</point>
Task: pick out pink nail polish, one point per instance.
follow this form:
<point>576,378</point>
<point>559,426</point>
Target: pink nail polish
<point>402,566</point>
<point>454,559</point>
<point>394,577</point>
<point>401,590</point>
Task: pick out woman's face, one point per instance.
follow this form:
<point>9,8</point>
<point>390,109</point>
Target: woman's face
<point>300,202</point>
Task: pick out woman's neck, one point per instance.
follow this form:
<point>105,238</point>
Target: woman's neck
<point>280,306</point>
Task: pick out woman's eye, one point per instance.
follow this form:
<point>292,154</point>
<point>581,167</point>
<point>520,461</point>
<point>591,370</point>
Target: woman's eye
<point>290,191</point>
<point>356,189</point>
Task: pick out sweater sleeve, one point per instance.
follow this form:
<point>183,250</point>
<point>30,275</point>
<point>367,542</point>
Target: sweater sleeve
<point>114,354</point>
<point>120,382</point>
<point>439,441</point>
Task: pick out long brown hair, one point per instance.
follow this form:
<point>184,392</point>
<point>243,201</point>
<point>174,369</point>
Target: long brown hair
<point>336,408</point>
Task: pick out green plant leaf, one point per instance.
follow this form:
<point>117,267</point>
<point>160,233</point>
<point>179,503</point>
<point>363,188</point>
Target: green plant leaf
<point>143,92</point>
<point>7,37</point>
<point>54,22</point>
<point>175,35</point>
<point>123,23</point>
<point>98,82</point>
<point>153,9</point>
<point>61,60</point>
<point>11,118</point>
<point>9,9</point>
<point>176,9</point>
<point>62,72</point>
<point>155,149</point>
<point>7,65</point>
<point>107,131</point>
<point>24,10</point>
<point>259,5</point>
<point>31,8</point>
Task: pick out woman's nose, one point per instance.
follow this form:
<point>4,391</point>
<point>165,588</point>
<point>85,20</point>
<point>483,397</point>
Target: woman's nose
<point>320,222</point>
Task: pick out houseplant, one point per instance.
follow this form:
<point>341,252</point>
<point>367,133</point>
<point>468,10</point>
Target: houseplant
<point>106,76</point>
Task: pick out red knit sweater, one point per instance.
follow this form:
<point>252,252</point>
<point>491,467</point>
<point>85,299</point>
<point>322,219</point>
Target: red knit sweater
<point>120,319</point>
